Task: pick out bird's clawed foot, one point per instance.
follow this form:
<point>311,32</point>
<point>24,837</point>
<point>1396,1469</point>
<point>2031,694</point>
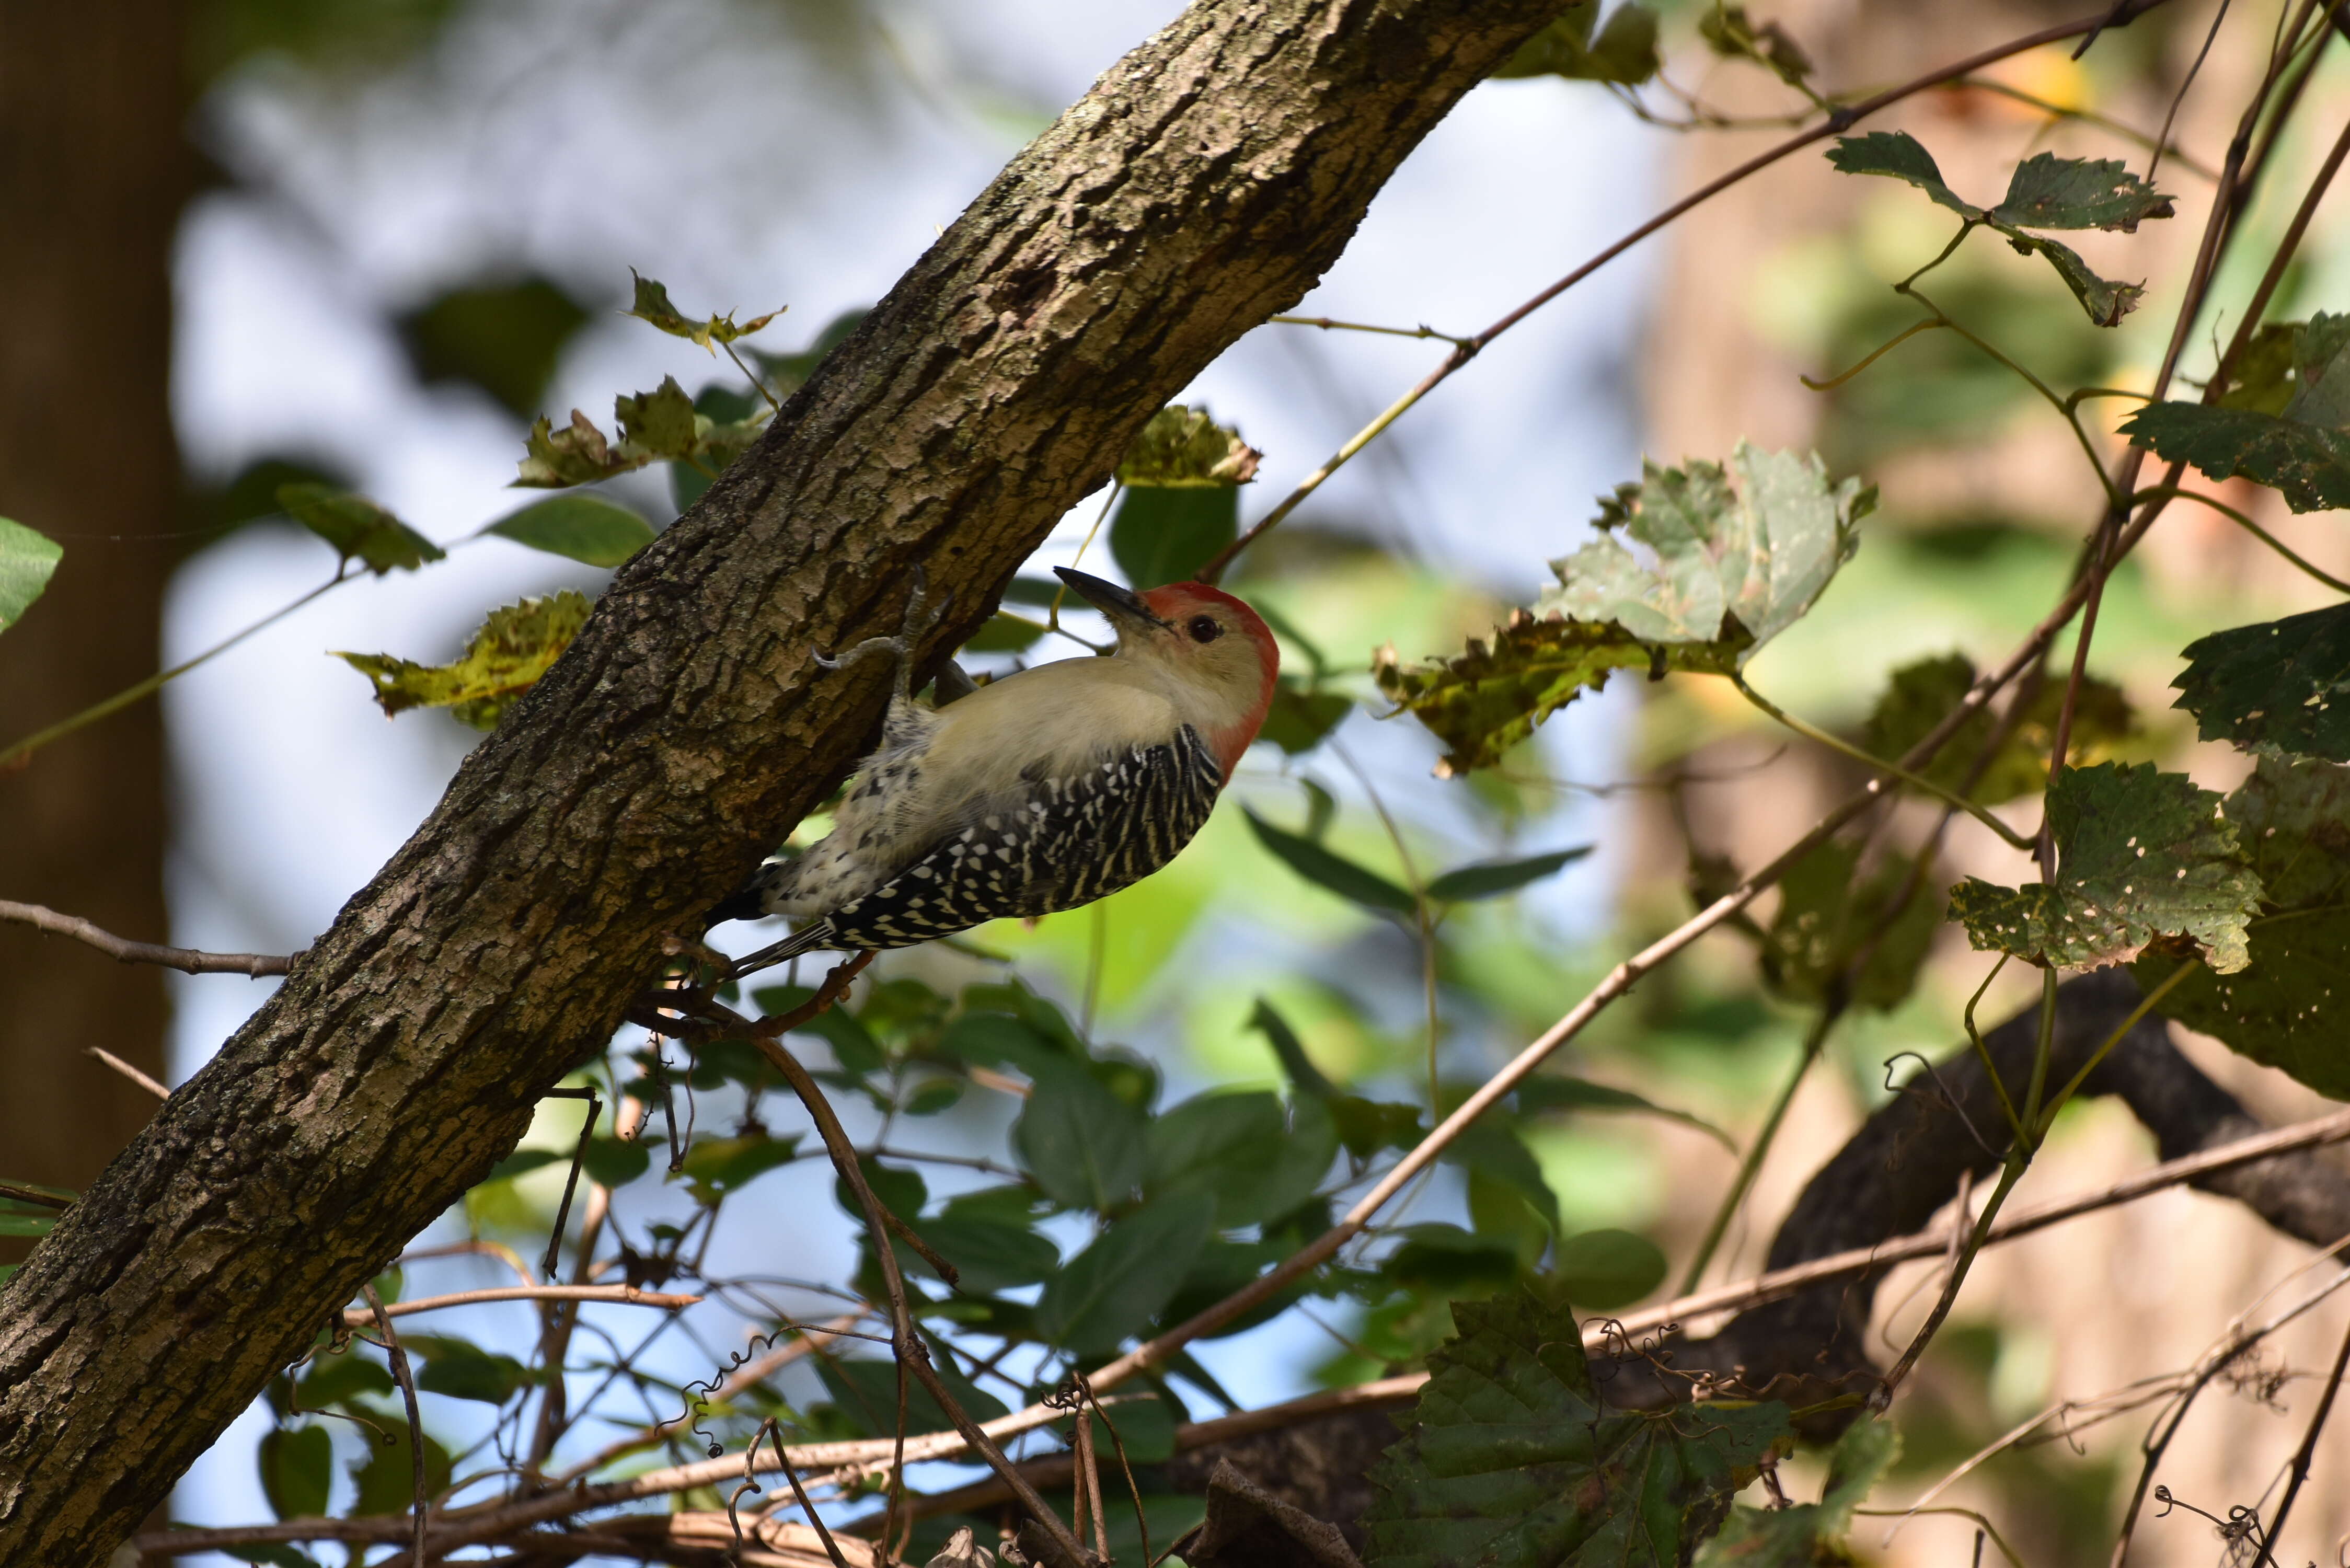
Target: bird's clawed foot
<point>921,617</point>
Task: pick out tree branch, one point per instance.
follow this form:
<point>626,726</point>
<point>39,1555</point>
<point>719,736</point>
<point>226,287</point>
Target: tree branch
<point>187,961</point>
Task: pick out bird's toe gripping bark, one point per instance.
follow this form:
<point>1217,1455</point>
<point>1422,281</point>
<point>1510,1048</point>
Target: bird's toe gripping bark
<point>921,617</point>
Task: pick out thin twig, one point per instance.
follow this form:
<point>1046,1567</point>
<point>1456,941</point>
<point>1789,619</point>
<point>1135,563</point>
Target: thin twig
<point>187,961</point>
<point>2308,1449</point>
<point>407,1381</point>
<point>1835,123</point>
<point>627,1296</point>
<point>110,1059</point>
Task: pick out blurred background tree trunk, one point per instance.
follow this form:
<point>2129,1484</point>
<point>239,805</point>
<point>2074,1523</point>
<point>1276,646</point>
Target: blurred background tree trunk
<point>94,169</point>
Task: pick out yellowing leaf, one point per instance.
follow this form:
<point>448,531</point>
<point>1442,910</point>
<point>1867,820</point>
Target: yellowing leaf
<point>652,306</point>
<point>576,454</point>
<point>504,658</point>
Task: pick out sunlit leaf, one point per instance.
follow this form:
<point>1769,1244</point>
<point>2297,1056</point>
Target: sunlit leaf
<point>656,424</point>
<point>2287,1007</point>
<point>26,560</point>
<point>1832,916</point>
<point>1920,695</point>
<point>1512,1461</point>
<point>1327,869</point>
<point>1184,447</point>
<point>652,306</point>
<point>504,658</point>
<point>1623,52</point>
<point>1116,1285</point>
<point>1727,558</point>
<point>2140,855</point>
<point>1492,879</point>
<point>1810,1533</point>
<point>586,528</point>
<point>2280,687</point>
<point>1607,1269</point>
<point>358,528</point>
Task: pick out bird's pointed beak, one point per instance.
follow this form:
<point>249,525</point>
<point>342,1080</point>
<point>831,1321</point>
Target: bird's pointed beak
<point>1123,605</point>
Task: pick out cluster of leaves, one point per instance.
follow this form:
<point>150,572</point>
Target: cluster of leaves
<point>1733,556</point>
<point>2046,192</point>
<point>2284,422</point>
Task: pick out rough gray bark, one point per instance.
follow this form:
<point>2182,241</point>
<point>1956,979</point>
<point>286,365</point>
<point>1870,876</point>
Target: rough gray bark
<point>1204,184</point>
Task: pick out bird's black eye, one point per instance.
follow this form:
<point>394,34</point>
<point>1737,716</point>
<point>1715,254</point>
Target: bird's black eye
<point>1203,628</point>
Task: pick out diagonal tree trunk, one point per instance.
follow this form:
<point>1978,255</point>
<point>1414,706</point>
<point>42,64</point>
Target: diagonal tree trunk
<point>1204,184</point>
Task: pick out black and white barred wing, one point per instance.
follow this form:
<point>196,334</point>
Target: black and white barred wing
<point>1068,843</point>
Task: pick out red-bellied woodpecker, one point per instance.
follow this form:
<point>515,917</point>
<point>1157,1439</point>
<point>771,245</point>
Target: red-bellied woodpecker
<point>1043,791</point>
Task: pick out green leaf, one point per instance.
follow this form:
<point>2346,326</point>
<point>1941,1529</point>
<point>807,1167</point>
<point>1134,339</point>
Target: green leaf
<point>1116,1285</point>
<point>865,1391</point>
<point>1163,535</point>
<point>1184,447</point>
<point>1304,1075</point>
<point>1444,1259</point>
<point>652,306</point>
<point>1241,1149</point>
<point>1492,1149</point>
<point>2045,192</point>
<point>1920,695</point>
<point>1625,52</point>
<point>1492,879</point>
<point>1830,914</point>
<point>715,1166</point>
<point>358,528</point>
<point>577,454</point>
<point>1607,1269</point>
<point>990,1255</point>
<point>1301,718</point>
<point>2140,855</point>
<point>1082,1143</point>
<point>464,1370</point>
<point>1811,1533</point>
<point>2285,1009</point>
<point>586,528</point>
<point>2291,432</point>
<point>522,1162</point>
<point>386,1479</point>
<point>1331,871</point>
<point>615,1162</point>
<point>1731,556</point>
<point>2263,377</point>
<point>26,560</point>
<point>504,337</point>
<point>1366,1126</point>
<point>1731,34</point>
<point>506,657</point>
<point>902,1191</point>
<point>1514,1463</point>
<point>27,1220</point>
<point>1557,1091</point>
<point>2283,686</point>
<point>340,1380</point>
<point>1006,634</point>
<point>659,423</point>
